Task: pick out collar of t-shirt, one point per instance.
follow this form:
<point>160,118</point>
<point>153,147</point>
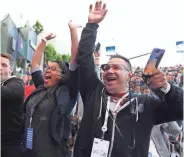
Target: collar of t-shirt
<point>114,99</point>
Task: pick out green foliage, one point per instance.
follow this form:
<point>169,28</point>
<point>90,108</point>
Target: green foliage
<point>38,27</point>
<point>66,57</point>
<point>52,55</point>
<point>59,57</point>
<point>20,63</point>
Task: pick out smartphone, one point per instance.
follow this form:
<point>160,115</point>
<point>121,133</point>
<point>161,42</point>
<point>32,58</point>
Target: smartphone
<point>97,48</point>
<point>153,61</point>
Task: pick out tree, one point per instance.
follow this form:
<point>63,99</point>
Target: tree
<point>50,53</point>
<point>66,57</point>
<point>59,57</point>
<point>38,27</point>
<point>20,63</point>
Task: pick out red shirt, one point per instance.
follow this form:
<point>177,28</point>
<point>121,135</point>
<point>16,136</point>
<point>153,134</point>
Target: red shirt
<point>28,90</point>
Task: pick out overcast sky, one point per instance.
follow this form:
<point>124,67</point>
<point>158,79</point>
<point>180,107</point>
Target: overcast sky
<point>136,26</point>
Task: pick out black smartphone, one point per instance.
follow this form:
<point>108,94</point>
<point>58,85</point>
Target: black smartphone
<point>97,48</point>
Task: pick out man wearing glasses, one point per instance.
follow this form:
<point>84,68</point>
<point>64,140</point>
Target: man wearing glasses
<point>116,123</point>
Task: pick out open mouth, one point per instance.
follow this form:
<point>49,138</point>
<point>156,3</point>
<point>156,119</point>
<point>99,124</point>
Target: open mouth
<point>111,79</point>
<point>47,76</point>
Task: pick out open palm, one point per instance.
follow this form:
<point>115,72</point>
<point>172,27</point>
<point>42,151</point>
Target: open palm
<point>97,14</point>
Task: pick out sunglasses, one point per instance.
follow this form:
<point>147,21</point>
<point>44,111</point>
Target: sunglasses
<point>106,67</point>
<point>53,68</point>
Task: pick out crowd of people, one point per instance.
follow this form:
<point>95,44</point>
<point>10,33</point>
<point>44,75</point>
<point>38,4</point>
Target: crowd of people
<point>123,111</point>
<point>174,75</point>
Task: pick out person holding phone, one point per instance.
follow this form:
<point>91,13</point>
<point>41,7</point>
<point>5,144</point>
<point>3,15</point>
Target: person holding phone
<point>115,122</point>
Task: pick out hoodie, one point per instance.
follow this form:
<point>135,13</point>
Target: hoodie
<point>129,130</point>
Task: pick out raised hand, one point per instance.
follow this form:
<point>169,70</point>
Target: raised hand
<point>73,25</point>
<point>50,36</point>
<point>97,14</point>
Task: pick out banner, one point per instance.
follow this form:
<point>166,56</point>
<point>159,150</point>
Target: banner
<point>110,50</point>
<point>180,46</point>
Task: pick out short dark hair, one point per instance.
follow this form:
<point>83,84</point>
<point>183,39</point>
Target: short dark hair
<point>129,66</point>
<point>64,70</point>
<point>9,57</point>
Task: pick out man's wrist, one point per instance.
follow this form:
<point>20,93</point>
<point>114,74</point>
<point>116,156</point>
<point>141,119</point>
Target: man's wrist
<point>93,26</point>
<point>72,67</point>
<point>167,89</point>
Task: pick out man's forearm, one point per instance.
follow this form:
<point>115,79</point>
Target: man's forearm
<point>87,42</point>
<point>85,60</point>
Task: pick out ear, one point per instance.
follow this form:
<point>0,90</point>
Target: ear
<point>11,71</point>
<point>129,75</point>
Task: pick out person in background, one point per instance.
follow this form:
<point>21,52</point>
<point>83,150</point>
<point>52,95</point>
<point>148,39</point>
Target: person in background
<point>12,98</point>
<point>160,145</point>
<point>28,90</point>
<point>146,91</point>
<point>181,81</point>
<point>137,90</point>
<point>29,86</point>
<point>74,114</point>
<point>30,81</point>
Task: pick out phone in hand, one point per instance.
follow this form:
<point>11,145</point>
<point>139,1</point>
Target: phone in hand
<point>153,61</point>
<point>97,50</point>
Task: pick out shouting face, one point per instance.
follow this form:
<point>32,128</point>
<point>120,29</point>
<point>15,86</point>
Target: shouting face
<point>115,75</point>
<point>52,74</point>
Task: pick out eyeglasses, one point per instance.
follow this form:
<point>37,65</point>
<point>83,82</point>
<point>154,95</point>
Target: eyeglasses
<point>106,67</point>
<point>53,68</point>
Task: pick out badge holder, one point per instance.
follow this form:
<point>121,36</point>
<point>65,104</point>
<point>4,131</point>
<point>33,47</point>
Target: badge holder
<point>104,129</point>
<point>29,137</point>
<point>100,146</point>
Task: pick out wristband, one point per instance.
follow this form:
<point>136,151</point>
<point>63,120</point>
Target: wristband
<point>167,89</point>
<point>72,67</point>
<point>44,39</point>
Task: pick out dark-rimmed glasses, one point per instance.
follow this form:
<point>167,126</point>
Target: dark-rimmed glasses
<point>106,67</point>
<point>53,68</point>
